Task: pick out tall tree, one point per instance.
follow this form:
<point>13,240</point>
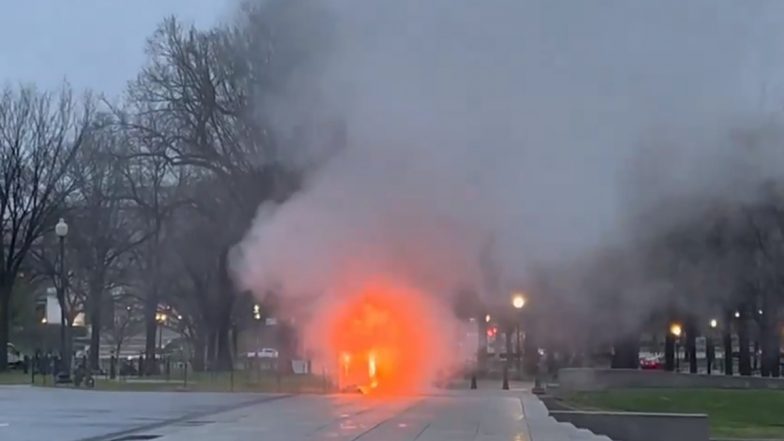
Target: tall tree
<point>40,133</point>
<point>105,224</point>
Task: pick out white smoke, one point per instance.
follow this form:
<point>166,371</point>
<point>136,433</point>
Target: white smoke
<point>516,123</point>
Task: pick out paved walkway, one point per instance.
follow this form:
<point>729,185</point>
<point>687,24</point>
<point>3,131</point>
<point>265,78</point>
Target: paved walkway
<point>38,413</point>
<point>448,416</point>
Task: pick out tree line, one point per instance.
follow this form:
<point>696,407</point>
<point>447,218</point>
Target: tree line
<point>699,263</point>
<point>158,187</point>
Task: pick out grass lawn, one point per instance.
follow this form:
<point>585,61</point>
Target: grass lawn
<point>242,381</point>
<point>732,413</point>
<point>14,377</point>
<point>221,382</point>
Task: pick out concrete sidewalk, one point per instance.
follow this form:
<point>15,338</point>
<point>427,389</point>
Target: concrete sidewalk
<point>449,415</point>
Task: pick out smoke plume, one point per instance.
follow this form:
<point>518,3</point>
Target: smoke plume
<point>505,131</point>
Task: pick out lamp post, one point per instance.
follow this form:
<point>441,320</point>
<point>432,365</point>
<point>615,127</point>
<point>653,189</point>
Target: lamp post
<point>676,330</point>
<point>160,318</point>
<point>257,339</point>
<point>709,348</point>
<point>64,376</point>
<point>518,302</point>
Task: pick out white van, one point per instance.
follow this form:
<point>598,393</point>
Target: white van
<point>15,358</point>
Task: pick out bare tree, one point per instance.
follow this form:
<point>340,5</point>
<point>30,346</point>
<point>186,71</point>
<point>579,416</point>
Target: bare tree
<point>105,225</point>
<point>127,320</point>
<point>39,135</point>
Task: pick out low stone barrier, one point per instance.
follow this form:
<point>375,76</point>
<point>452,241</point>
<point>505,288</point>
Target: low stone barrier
<point>634,426</point>
<point>591,379</point>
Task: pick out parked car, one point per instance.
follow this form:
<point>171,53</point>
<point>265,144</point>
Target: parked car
<point>15,358</point>
<point>651,363</point>
<point>264,353</point>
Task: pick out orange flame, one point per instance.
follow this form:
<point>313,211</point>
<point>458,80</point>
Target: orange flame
<point>386,340</point>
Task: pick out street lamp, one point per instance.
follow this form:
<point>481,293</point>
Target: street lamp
<point>518,301</point>
<point>713,323</point>
<point>160,317</point>
<point>487,318</point>
<point>64,376</point>
<point>676,330</point>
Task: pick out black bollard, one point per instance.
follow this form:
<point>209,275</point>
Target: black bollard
<point>112,367</point>
<point>505,384</point>
<point>473,381</point>
<point>34,365</point>
<point>141,365</point>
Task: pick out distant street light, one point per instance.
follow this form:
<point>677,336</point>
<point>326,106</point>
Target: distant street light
<point>487,318</point>
<point>64,376</point>
<point>256,312</point>
<point>709,348</point>
<point>160,317</point>
<point>737,314</point>
<point>676,330</point>
<point>518,301</point>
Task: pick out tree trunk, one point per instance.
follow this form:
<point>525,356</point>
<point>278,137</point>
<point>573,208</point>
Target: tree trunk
<point>481,355</point>
<point>150,331</point>
<point>199,354</point>
<point>223,360</point>
<point>5,322</point>
<point>530,351</point>
<point>626,354</point>
<point>726,334</point>
<point>508,334</point>
<point>744,365</point>
<point>669,351</point>
<point>691,345</point>
<point>226,305</point>
<point>770,350</point>
<point>211,350</point>
<point>96,315</point>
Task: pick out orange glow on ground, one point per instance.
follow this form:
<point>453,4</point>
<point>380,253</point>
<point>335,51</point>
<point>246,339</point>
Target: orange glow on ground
<point>385,339</point>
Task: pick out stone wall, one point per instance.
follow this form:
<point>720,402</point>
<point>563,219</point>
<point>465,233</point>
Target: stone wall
<point>633,426</point>
<point>590,379</point>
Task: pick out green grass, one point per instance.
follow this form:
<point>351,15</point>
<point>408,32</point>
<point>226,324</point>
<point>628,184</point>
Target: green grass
<point>220,382</point>
<point>242,381</point>
<point>732,413</point>
<point>14,377</point>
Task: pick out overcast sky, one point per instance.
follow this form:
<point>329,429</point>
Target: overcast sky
<point>93,43</point>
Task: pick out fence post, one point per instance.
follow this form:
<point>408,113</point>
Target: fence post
<point>34,365</point>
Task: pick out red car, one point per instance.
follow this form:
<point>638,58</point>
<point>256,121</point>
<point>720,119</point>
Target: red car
<point>651,363</point>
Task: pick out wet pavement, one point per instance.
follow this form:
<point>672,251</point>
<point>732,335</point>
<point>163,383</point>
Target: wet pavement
<point>349,417</point>
<point>33,414</point>
<point>38,414</point>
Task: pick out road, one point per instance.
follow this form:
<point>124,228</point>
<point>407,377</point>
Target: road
<point>36,414</point>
